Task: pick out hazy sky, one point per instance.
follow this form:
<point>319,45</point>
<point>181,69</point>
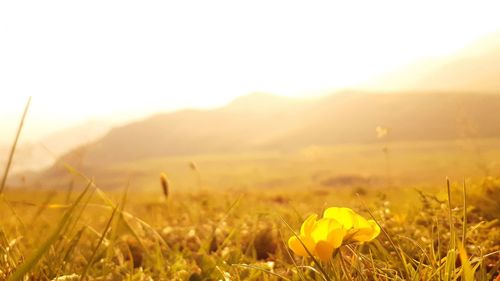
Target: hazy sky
<point>126,59</point>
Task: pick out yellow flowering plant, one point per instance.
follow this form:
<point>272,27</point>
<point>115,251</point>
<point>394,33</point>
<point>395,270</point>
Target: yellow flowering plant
<point>337,227</point>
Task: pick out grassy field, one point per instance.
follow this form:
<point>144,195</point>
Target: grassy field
<point>239,231</point>
<point>243,216</point>
<point>423,164</point>
<point>143,159</point>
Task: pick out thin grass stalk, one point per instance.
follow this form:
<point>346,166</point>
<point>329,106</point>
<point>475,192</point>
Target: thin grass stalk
<point>438,249</point>
<point>321,269</point>
<point>398,250</point>
<point>114,229</point>
<point>419,247</point>
<point>13,211</point>
<point>72,246</point>
<point>41,208</point>
<point>249,266</point>
<point>464,225</point>
<point>342,264</point>
<point>299,272</point>
<point>451,255</point>
<point>101,239</point>
<point>449,205</point>
<point>33,260</point>
<point>335,273</point>
<point>112,205</point>
<point>14,145</point>
<point>355,263</point>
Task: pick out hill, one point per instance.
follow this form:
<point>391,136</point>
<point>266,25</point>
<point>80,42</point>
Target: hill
<point>339,118</point>
<point>42,153</point>
<point>441,100</point>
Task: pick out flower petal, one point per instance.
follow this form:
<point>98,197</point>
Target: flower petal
<point>328,230</point>
<point>366,233</point>
<point>298,248</point>
<point>360,222</point>
<point>376,229</point>
<point>336,237</point>
<point>344,216</point>
<point>324,250</point>
<point>320,230</point>
<point>308,225</point>
<point>359,235</point>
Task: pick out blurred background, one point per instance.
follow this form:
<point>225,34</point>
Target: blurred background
<point>261,94</point>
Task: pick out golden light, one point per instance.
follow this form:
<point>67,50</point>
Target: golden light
<point>125,60</point>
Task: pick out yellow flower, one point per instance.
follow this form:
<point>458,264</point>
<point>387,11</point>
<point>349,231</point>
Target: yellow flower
<point>339,226</point>
<point>320,237</point>
<point>358,228</point>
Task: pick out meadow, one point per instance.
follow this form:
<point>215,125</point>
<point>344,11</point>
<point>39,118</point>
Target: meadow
<point>230,216</point>
<point>226,141</point>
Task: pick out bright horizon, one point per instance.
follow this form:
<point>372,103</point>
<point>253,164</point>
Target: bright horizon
<point>119,60</point>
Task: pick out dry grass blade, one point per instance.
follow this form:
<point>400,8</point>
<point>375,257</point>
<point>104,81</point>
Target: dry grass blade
<point>32,261</point>
<point>452,253</point>
<point>14,145</point>
<point>343,266</point>
<point>321,269</point>
<point>467,271</point>
<point>464,226</point>
<point>114,229</point>
<point>289,254</point>
<point>398,250</point>
<point>249,266</point>
<point>448,187</point>
<point>101,239</point>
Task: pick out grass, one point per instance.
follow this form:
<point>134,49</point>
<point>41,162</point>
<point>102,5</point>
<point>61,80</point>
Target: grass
<point>238,231</point>
<point>222,235</point>
<point>413,164</point>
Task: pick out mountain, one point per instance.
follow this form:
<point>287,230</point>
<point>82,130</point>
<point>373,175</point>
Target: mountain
<point>64,140</point>
<point>348,117</point>
<point>445,99</point>
<point>244,124</point>
<point>475,68</point>
<point>43,153</point>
